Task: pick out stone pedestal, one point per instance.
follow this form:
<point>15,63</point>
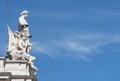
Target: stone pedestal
<point>15,71</point>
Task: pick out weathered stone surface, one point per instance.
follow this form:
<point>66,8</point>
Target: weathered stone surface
<point>16,74</point>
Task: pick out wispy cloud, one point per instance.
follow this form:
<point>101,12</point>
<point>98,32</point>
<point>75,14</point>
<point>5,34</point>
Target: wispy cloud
<point>86,15</point>
<point>76,46</point>
<point>53,15</point>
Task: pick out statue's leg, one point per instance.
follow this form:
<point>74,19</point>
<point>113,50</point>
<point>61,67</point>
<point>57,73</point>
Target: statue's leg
<point>34,68</point>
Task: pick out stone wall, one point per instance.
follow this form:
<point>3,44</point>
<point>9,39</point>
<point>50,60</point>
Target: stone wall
<point>15,71</point>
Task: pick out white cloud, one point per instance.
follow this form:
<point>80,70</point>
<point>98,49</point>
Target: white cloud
<point>87,15</point>
<point>53,15</point>
<point>76,46</point>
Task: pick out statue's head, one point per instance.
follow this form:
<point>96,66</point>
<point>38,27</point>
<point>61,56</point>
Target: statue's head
<point>25,35</point>
<point>25,13</point>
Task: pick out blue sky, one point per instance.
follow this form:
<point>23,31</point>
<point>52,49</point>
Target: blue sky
<point>73,40</point>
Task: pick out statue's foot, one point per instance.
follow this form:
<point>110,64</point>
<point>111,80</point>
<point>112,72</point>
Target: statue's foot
<point>35,73</point>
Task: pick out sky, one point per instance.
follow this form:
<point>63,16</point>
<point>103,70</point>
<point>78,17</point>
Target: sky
<point>73,40</point>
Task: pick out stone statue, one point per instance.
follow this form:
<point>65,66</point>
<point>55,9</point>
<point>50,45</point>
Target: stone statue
<point>18,43</point>
<point>23,24</point>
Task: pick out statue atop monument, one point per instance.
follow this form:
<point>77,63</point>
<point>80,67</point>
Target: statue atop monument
<point>18,42</point>
<point>23,24</point>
